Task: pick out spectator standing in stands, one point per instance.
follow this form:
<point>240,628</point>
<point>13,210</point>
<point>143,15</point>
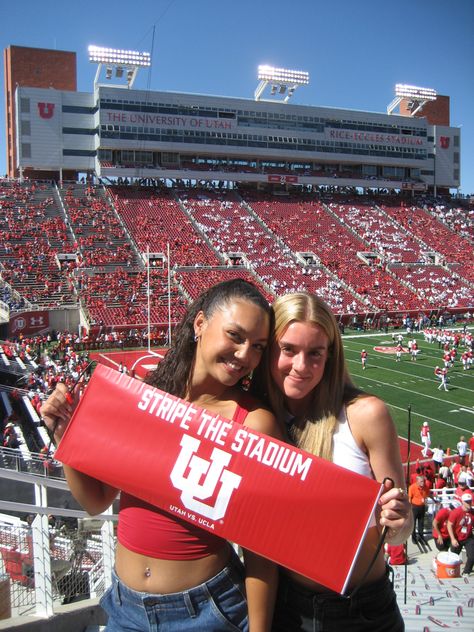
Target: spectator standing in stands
<point>463,483</point>
<point>425,437</point>
<point>445,472</point>
<point>418,493</point>
<point>466,476</point>
<point>438,458</point>
<point>440,526</point>
<point>307,384</point>
<point>161,561</point>
<point>460,525</point>
<point>462,448</point>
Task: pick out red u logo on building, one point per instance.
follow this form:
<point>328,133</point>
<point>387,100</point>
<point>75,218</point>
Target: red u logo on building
<point>444,141</point>
<point>46,110</point>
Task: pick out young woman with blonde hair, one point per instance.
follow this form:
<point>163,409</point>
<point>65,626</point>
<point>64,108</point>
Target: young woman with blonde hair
<point>307,384</point>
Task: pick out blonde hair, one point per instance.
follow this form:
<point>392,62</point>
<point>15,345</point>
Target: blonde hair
<point>314,430</point>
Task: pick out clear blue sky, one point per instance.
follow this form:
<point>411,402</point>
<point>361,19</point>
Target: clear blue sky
<point>355,50</point>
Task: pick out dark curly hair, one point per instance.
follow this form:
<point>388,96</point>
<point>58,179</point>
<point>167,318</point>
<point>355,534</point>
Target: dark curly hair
<point>174,372</point>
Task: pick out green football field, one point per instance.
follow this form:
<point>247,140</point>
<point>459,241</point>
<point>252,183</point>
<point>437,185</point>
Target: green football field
<point>407,383</point>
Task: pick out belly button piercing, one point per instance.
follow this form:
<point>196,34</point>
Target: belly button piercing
<point>147,572</point>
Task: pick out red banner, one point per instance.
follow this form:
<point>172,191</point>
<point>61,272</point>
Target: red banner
<point>28,323</point>
<point>303,512</point>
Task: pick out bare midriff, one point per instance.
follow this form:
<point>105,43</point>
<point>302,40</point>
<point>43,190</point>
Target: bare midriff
<point>158,576</point>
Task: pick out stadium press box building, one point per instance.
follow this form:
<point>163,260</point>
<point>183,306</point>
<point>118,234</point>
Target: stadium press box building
<point>114,132</point>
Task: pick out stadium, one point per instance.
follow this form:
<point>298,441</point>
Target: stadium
<point>121,206</point>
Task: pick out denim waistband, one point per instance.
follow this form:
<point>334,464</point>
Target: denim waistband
<point>197,594</point>
<point>307,598</point>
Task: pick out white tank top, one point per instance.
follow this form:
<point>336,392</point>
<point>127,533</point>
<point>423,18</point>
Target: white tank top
<point>346,452</point>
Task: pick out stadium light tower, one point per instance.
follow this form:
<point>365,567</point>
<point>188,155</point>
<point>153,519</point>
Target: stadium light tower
<point>283,82</point>
<point>417,97</point>
<point>125,63</point>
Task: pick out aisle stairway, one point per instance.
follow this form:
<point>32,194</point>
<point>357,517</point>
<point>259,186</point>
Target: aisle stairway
<point>431,603</point>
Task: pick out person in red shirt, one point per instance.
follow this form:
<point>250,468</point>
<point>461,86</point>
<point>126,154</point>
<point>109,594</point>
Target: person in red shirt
<point>440,526</point>
<point>396,554</point>
<point>455,469</point>
<point>471,449</point>
<point>462,489</point>
<point>363,358</point>
<point>460,524</point>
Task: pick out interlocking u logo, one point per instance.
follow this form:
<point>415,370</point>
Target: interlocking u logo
<point>194,490</point>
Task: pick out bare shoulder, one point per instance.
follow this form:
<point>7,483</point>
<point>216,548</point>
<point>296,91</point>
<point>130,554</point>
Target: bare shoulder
<point>262,420</point>
<point>370,419</point>
<point>367,407</point>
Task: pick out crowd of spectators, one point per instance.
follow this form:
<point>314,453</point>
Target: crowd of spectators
<point>31,231</point>
<point>359,254</point>
<point>456,250</point>
<point>436,285</point>
<point>459,219</point>
<point>232,228</point>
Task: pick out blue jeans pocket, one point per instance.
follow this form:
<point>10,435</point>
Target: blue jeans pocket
<point>229,606</point>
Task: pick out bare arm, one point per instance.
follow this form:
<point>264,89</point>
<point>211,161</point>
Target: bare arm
<point>93,495</point>
<point>452,535</point>
<point>373,428</point>
<point>261,574</point>
<point>436,528</point>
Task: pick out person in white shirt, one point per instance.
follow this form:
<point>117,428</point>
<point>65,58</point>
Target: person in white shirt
<point>462,450</point>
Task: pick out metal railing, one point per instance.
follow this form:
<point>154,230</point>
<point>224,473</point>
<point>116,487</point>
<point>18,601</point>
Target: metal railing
<point>59,555</point>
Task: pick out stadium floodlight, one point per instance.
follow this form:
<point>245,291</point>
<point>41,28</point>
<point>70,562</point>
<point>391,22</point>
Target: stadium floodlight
<point>120,60</point>
<point>417,97</point>
<point>281,80</point>
<point>414,92</point>
<point>118,57</point>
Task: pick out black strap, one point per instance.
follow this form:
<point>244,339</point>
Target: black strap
<point>377,551</point>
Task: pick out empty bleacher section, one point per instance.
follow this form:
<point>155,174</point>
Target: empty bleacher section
<point>32,233</point>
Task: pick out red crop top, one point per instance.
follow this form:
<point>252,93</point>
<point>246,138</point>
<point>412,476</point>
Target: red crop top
<point>148,530</point>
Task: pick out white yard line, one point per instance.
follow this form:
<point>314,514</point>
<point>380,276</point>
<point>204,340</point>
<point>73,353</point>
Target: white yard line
<point>420,394</point>
<point>404,374</point>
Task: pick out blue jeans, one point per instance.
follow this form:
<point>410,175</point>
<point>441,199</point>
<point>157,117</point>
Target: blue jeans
<point>372,609</point>
<point>214,606</point>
